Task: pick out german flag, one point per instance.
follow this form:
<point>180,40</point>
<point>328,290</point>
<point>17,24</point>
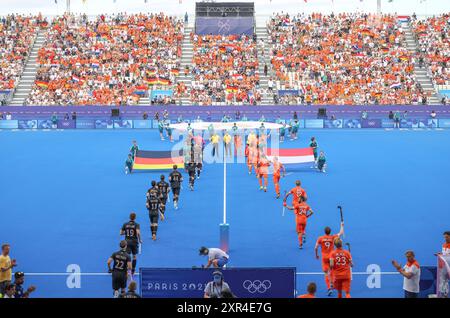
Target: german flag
<point>175,71</point>
<point>231,89</point>
<point>366,32</point>
<point>164,81</point>
<point>152,80</point>
<point>404,58</point>
<point>158,160</point>
<point>41,84</point>
<point>222,49</point>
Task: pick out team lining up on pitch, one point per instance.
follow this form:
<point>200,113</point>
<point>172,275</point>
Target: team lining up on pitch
<point>336,262</point>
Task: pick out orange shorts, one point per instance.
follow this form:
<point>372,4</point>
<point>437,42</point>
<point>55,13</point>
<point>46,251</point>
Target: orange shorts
<point>342,284</point>
<point>276,178</point>
<point>325,264</point>
<point>301,227</point>
<point>262,175</point>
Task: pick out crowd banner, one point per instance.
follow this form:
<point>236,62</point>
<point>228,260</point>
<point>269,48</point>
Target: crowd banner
<point>313,123</point>
<point>243,282</point>
<point>352,123</point>
<point>85,124</point>
<point>66,124</point>
<point>371,123</point>
<point>104,124</point>
<point>142,124</point>
<point>123,124</point>
<point>28,124</point>
<point>444,123</point>
<point>9,124</point>
<point>336,123</point>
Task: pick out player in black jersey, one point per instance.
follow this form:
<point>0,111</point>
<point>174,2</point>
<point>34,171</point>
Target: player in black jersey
<point>190,168</point>
<point>154,208</point>
<point>132,232</point>
<point>164,189</point>
<point>131,293</point>
<point>175,180</point>
<point>198,159</point>
<point>121,267</point>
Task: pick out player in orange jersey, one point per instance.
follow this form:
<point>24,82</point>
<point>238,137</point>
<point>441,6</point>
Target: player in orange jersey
<point>263,171</point>
<point>253,159</point>
<point>341,264</point>
<point>326,243</point>
<point>296,192</point>
<point>311,291</point>
<point>277,167</point>
<point>302,212</point>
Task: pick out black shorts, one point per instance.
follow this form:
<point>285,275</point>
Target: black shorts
<point>176,191</point>
<point>132,247</point>
<point>154,218</point>
<point>164,200</point>
<point>199,166</point>
<point>119,280</point>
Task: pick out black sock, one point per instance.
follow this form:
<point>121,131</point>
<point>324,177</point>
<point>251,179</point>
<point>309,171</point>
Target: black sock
<point>134,265</point>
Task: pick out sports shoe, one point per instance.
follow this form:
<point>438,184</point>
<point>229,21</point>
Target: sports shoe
<point>330,292</point>
<point>304,238</point>
<point>300,247</point>
<point>154,237</point>
<point>278,195</point>
<point>265,189</point>
<point>260,188</point>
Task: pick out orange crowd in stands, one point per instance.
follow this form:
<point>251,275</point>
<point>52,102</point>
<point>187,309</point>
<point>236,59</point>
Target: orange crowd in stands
<point>343,59</point>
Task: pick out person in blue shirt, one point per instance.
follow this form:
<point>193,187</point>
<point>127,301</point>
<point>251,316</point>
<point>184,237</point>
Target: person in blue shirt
<point>19,279</point>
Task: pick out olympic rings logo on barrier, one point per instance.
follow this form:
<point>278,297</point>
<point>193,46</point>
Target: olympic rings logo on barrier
<point>257,286</point>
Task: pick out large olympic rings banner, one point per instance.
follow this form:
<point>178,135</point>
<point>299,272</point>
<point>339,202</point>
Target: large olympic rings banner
<point>243,282</point>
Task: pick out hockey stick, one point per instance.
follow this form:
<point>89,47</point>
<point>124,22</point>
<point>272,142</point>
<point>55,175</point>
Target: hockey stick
<point>284,208</point>
<point>342,217</point>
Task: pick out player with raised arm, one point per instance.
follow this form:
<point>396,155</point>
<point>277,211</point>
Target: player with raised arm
<point>164,189</point>
<point>121,266</point>
<point>154,209</point>
<point>132,232</point>
<point>296,192</point>
<point>341,264</point>
<point>277,168</point>
<point>302,212</point>
<point>326,243</point>
<point>175,180</point>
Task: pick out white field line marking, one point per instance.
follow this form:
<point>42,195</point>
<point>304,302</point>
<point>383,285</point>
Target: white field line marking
<point>137,274</point>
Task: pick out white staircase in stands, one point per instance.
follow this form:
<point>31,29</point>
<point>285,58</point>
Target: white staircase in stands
<point>186,60</point>
<point>421,73</point>
<point>264,59</point>
<point>29,74</point>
